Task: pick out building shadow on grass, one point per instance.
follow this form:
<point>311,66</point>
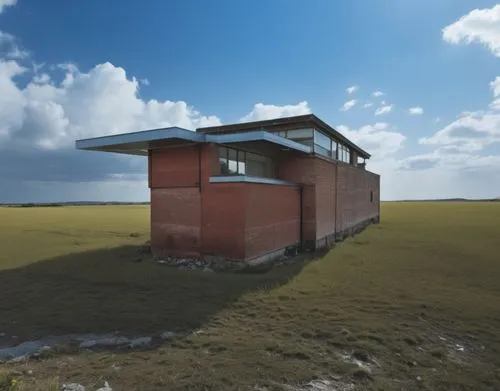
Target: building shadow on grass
<point>109,290</point>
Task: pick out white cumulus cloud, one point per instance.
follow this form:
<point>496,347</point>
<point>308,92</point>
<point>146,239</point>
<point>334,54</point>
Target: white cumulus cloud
<point>367,104</point>
<point>352,89</point>
<point>385,109</point>
<point>472,130</point>
<point>43,78</point>
<point>262,111</point>
<point>380,140</point>
<point>378,93</point>
<point>6,3</point>
<point>102,101</point>
<point>349,105</point>
<point>479,25</point>
<point>415,111</point>
<point>9,47</point>
<point>495,86</point>
<point>452,159</point>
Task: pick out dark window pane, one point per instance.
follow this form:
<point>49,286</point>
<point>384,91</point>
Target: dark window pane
<point>256,165</point>
<point>259,166</point>
<point>299,133</point>
<point>322,140</point>
<point>224,170</point>
<point>309,142</point>
<point>334,149</point>
<point>232,154</point>
<point>232,161</point>
<point>321,150</point>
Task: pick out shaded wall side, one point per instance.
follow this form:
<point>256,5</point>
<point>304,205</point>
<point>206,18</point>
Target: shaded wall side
<point>272,218</point>
<point>300,168</point>
<point>354,202</point>
<point>174,177</point>
<point>223,220</point>
<point>175,221</point>
<point>326,196</point>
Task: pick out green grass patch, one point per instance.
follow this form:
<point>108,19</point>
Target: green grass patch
<point>399,297</point>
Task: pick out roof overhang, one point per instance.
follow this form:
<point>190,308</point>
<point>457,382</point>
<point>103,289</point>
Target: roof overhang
<point>247,137</point>
<point>139,143</point>
<point>285,123</point>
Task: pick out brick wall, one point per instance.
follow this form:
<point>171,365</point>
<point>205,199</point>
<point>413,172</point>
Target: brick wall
<point>272,218</point>
<point>325,197</point>
<point>326,208</point>
<point>300,168</point>
<point>223,217</point>
<point>190,216</point>
<point>319,197</point>
<point>354,205</point>
<point>175,221</point>
<point>175,167</point>
<point>174,178</point>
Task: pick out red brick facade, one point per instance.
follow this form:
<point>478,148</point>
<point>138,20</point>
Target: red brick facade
<point>272,218</point>
<point>191,216</point>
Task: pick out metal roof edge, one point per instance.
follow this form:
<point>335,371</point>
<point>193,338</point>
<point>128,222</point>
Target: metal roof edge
<point>304,118</point>
<point>249,179</point>
<point>257,136</point>
<point>141,136</point>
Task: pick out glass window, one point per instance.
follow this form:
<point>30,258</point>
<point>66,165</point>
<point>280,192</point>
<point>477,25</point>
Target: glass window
<point>321,150</point>
<point>241,162</point>
<point>259,166</point>
<point>322,144</point>
<point>232,158</point>
<point>282,133</point>
<point>299,133</point>
<point>237,162</point>
<point>322,140</point>
<point>334,149</point>
<point>224,170</point>
<point>344,153</point>
<point>307,141</point>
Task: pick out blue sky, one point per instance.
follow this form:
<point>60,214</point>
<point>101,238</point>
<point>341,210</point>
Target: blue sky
<point>70,70</point>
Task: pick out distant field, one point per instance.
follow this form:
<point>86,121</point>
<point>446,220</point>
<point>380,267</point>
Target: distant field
<point>416,298</point>
<point>32,234</point>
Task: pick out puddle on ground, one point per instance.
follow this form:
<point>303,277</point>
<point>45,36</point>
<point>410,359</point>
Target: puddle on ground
<point>35,348</point>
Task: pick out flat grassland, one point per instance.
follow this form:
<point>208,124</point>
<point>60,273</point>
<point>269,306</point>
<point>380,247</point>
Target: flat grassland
<point>415,298</point>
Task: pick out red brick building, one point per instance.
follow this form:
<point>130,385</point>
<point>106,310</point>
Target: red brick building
<point>251,191</point>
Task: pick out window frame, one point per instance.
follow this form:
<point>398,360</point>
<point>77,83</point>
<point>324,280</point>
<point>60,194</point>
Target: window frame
<point>242,161</point>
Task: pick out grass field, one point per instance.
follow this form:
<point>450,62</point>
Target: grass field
<point>416,298</point>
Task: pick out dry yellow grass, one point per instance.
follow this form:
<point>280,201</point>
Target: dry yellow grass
<point>30,235</point>
<point>401,296</point>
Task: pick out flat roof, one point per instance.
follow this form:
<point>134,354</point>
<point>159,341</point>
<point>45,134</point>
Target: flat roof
<point>138,143</point>
<point>300,120</point>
